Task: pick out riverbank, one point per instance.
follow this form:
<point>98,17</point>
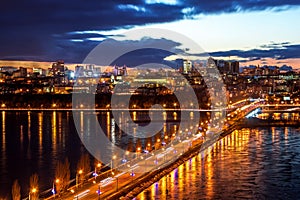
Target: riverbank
<point>91,101</point>
<point>137,186</point>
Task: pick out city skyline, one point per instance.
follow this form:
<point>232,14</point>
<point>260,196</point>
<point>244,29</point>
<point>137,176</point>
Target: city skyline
<point>149,99</point>
<point>253,32</point>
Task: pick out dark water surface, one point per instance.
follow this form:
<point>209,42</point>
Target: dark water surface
<point>33,141</point>
<point>260,163</point>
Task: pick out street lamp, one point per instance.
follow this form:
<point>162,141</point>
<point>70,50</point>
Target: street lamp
<point>175,104</point>
<point>113,158</point>
<point>95,173</point>
<point>77,177</point>
<point>33,191</point>
<point>54,190</point>
<point>137,152</point>
<point>78,174</point>
<point>158,141</point>
<point>146,151</point>
<point>99,192</point>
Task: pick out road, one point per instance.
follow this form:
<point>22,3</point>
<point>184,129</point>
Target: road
<point>126,174</point>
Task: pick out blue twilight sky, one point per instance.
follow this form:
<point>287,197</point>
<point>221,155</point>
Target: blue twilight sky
<point>252,31</point>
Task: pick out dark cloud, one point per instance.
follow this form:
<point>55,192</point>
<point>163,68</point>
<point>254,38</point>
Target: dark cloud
<point>285,51</point>
<point>275,45</point>
<point>134,53</point>
<point>144,56</point>
<point>38,28</point>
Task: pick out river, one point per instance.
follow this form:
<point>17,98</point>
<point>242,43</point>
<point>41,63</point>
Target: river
<point>258,163</point>
<point>33,142</point>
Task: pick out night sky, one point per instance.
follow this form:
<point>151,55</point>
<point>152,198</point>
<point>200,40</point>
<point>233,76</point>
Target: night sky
<point>252,31</point>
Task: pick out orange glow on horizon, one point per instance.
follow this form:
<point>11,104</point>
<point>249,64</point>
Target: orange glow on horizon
<point>294,62</point>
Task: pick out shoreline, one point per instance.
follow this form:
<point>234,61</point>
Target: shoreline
<point>141,184</point>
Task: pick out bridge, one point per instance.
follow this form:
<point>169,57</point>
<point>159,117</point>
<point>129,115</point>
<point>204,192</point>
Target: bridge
<point>273,115</point>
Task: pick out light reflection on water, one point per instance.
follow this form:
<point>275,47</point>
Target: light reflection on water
<point>261,163</point>
<point>33,142</point>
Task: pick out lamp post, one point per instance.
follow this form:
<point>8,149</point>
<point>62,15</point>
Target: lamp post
<point>137,152</point>
<point>55,187</point>
<point>113,158</point>
<point>95,173</point>
<point>113,175</point>
<point>77,177</point>
<point>117,181</point>
<point>33,191</point>
<point>158,142</point>
<point>149,148</point>
<point>164,144</point>
<point>99,192</point>
<point>146,151</point>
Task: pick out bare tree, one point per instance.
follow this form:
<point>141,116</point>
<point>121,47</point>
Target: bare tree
<point>84,166</point>
<point>62,176</point>
<point>34,187</point>
<point>16,191</point>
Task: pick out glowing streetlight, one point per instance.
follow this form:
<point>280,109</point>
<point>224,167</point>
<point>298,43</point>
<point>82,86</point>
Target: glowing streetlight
<point>175,104</point>
<point>77,177</point>
<point>54,189</point>
<point>95,174</point>
<point>113,158</point>
<point>32,191</point>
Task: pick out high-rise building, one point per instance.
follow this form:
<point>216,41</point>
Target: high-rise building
<point>235,67</point>
<point>228,67</point>
<point>187,66</point>
<point>58,68</point>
